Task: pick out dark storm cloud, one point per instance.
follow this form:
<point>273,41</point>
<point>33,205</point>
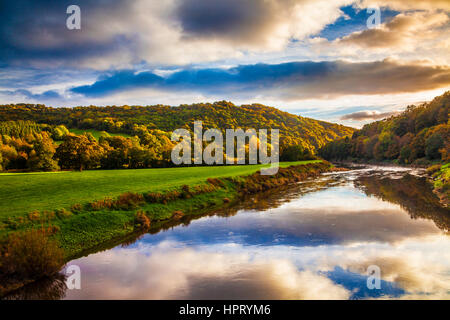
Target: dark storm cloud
<point>367,115</point>
<point>35,31</point>
<point>286,80</point>
<point>233,18</point>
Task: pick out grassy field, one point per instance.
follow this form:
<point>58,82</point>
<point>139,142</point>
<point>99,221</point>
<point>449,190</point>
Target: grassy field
<point>22,193</point>
<point>97,133</point>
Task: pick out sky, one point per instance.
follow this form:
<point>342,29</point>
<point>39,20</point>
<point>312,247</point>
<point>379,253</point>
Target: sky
<point>329,60</point>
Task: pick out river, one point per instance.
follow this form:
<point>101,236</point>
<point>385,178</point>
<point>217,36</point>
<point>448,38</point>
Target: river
<point>314,240</point>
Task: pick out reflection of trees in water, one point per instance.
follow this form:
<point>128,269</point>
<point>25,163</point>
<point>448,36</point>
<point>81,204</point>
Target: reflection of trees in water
<point>413,194</point>
<point>262,201</point>
<point>52,288</point>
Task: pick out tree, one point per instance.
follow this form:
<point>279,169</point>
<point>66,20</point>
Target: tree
<point>432,146</point>
<point>296,153</point>
<point>41,157</point>
<point>79,152</point>
<point>59,132</point>
<point>117,152</point>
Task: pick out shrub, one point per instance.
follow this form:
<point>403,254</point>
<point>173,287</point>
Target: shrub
<point>76,207</point>
<point>141,220</point>
<point>31,255</point>
<point>153,197</point>
<point>63,213</point>
<point>129,200</point>
<point>215,182</point>
<point>106,203</point>
<point>433,169</point>
<point>185,192</point>
<point>34,216</point>
<point>177,215</point>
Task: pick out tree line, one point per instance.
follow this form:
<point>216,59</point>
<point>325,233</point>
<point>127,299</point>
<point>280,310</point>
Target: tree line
<point>25,145</point>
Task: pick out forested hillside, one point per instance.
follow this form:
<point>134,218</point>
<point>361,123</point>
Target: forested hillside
<point>294,130</point>
<point>36,137</point>
<point>419,135</point>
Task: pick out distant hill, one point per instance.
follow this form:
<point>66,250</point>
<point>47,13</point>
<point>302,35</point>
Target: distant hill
<point>420,135</point>
<point>294,130</point>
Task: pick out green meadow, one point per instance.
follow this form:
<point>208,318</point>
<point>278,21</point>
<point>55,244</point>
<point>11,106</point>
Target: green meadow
<point>96,133</point>
<point>22,193</point>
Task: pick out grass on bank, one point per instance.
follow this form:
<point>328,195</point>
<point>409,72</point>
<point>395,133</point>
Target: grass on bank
<point>441,183</point>
<point>22,193</point>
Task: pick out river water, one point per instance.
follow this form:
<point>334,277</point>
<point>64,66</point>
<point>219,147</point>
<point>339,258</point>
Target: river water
<point>318,239</point>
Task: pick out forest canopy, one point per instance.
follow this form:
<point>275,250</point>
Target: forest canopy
<point>419,135</point>
<point>36,137</point>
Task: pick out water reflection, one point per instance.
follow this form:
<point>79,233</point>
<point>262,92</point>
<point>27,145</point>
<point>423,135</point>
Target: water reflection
<point>311,241</point>
<point>51,288</point>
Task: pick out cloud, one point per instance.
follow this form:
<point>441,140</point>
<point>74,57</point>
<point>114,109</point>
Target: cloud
<point>170,273</point>
<point>124,33</point>
<point>367,115</point>
<point>46,95</point>
<point>168,270</point>
<point>420,272</point>
<point>253,23</point>
<point>406,4</point>
<point>289,81</point>
<point>407,29</point>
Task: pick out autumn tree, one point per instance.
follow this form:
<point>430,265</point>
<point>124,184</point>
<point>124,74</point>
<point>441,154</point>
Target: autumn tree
<point>41,157</point>
<point>79,152</point>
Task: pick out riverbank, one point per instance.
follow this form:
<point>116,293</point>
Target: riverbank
<point>438,175</point>
<point>440,178</point>
<point>83,226</point>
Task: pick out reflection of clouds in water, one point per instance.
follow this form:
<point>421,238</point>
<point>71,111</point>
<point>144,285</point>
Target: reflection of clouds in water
<point>185,273</point>
<point>420,266</point>
<point>333,216</point>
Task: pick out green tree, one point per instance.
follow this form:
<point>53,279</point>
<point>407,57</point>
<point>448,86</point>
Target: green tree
<point>432,146</point>
<point>296,153</point>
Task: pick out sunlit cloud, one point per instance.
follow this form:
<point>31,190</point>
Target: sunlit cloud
<point>368,115</point>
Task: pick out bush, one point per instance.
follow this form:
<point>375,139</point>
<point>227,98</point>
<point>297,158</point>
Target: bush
<point>185,192</point>
<point>31,255</point>
<point>129,200</point>
<point>433,169</point>
<point>63,213</point>
<point>154,197</point>
<point>177,215</point>
<point>106,203</point>
<point>76,207</point>
<point>141,220</point>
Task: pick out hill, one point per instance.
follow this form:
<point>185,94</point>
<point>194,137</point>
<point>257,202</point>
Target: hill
<point>419,135</point>
<point>294,130</point>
